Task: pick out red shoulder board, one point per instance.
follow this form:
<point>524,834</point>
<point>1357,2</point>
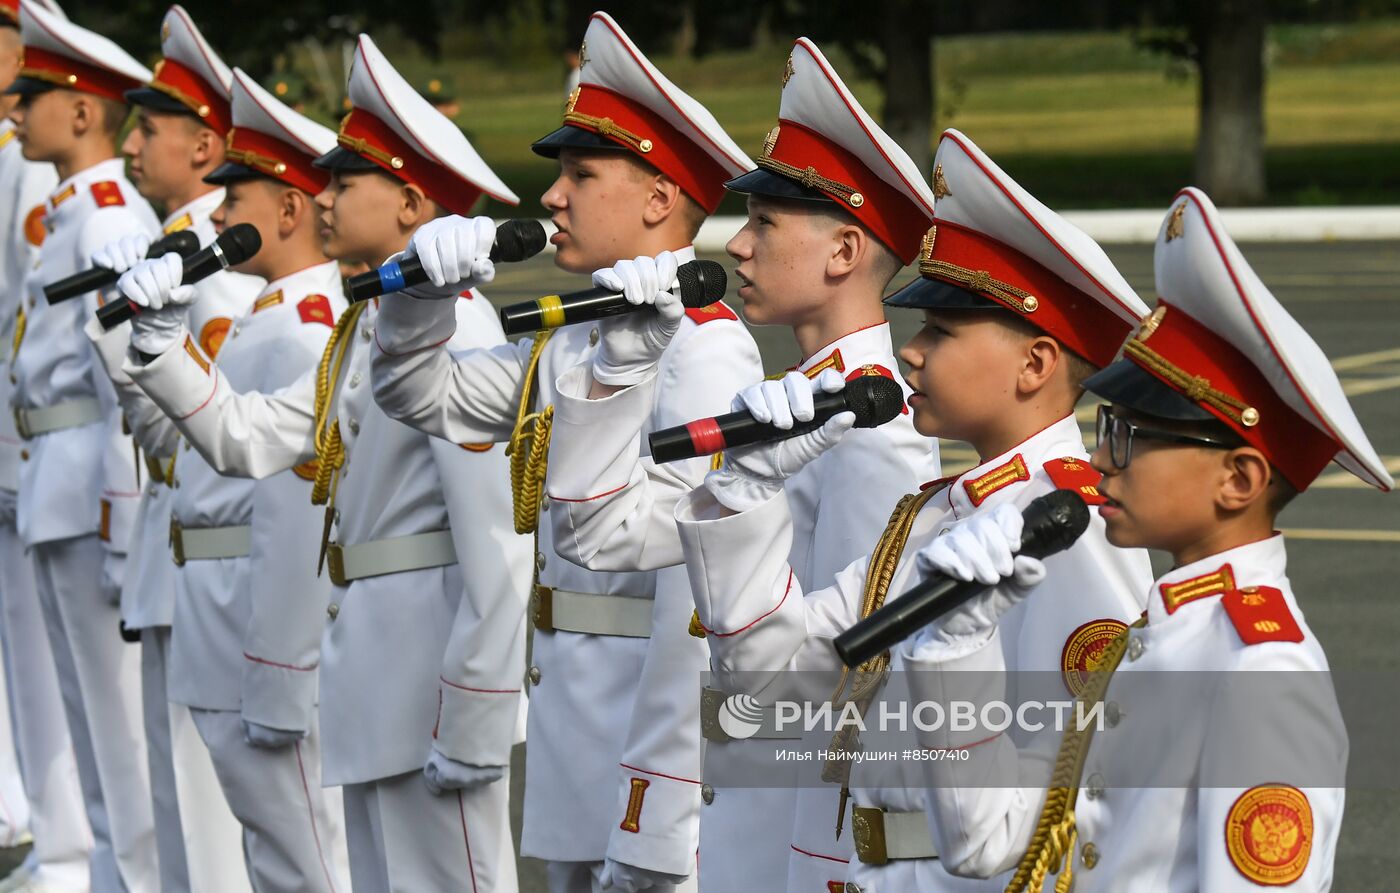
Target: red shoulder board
<point>108,194</point>
<point>710,313</point>
<point>1261,614</point>
<point>316,308</point>
<point>1074,474</point>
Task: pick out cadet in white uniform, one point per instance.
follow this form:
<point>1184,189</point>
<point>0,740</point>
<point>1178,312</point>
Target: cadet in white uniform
<point>59,859</point>
<point>615,512</point>
<point>1223,410</point>
<point>420,675</point>
<point>183,118</point>
<point>1018,306</point>
<point>613,765</point>
<point>77,485</point>
<point>249,610</point>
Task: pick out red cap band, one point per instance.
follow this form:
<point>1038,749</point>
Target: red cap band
<point>977,262</point>
<point>277,159</point>
<point>369,137</point>
<point>71,74</point>
<point>1298,448</point>
<point>208,102</point>
<point>890,214</point>
<point>651,138</point>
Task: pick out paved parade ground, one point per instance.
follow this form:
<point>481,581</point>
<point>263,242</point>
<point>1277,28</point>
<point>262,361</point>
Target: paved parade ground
<point>1344,538</point>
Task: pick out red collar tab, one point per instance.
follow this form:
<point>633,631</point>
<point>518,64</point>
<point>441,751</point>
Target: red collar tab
<point>1208,369</point>
<point>74,75</point>
<point>652,138</point>
<point>277,159</point>
<point>1174,595</point>
<point>805,156</point>
<point>979,263</point>
<point>370,138</point>
<point>206,101</point>
<point>1078,475</point>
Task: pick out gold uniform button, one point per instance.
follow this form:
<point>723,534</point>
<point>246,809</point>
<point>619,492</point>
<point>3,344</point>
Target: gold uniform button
<point>24,455</point>
<point>1089,855</point>
<point>544,503</point>
<point>333,611</point>
<point>535,675</point>
<point>707,793</point>
<point>592,337</point>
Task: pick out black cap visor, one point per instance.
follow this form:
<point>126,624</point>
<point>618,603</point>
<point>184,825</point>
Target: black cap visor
<point>232,172</point>
<point>570,137</point>
<point>342,159</point>
<point>762,182</point>
<point>934,294</point>
<point>1128,384</point>
<point>156,101</point>
<point>25,86</point>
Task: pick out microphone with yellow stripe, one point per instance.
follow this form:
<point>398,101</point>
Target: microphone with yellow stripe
<point>702,282</point>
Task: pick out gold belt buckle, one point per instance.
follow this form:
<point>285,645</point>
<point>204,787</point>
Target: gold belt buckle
<point>177,543</point>
<point>21,426</point>
<point>868,825</point>
<point>335,563</point>
<point>543,609</point>
<point>710,729</point>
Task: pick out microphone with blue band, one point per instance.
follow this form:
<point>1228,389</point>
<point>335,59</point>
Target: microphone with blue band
<point>516,240</point>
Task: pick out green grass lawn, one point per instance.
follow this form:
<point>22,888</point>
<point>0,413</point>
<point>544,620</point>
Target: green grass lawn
<point>1082,120</point>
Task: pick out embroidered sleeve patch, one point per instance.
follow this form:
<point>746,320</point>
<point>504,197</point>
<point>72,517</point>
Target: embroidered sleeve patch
<point>1261,614</point>
<point>710,313</point>
<point>316,308</point>
<point>34,228</point>
<point>104,524</point>
<point>108,194</point>
<point>1074,474</point>
<point>632,821</point>
<point>1083,649</point>
<point>476,447</point>
<point>212,336</point>
<point>1269,834</point>
<point>195,355</point>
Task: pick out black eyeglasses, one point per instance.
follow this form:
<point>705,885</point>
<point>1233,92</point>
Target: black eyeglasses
<point>1119,434</point>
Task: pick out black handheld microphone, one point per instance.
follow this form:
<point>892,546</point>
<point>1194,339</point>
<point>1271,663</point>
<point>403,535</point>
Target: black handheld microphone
<point>233,246</point>
<point>516,240</point>
<point>1052,523</point>
<point>702,282</point>
<point>183,243</point>
<point>873,398</point>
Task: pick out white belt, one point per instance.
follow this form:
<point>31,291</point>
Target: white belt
<point>586,612</point>
<point>710,701</point>
<point>882,835</point>
<point>208,543</point>
<point>395,555</point>
<point>30,423</point>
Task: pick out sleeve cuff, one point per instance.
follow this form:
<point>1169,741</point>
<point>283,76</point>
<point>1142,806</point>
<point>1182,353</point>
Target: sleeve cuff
<point>280,696</point>
<point>610,426</point>
<point>476,725</point>
<point>738,562</point>
<point>658,824</point>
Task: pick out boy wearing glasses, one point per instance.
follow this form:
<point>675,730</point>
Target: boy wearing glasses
<point>1224,409</point>
<point>1020,307</point>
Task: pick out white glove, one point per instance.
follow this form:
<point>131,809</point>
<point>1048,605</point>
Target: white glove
<point>752,475</point>
<point>113,571</point>
<point>630,878</point>
<point>162,302</point>
<point>443,774</point>
<point>982,548</point>
<point>268,738</point>
<point>630,345</point>
<point>123,254</point>
<point>456,255</point>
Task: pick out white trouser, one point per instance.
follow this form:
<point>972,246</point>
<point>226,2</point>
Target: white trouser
<point>292,840</point>
<point>199,846</point>
<point>99,676</point>
<point>62,842</point>
<point>14,806</point>
<point>582,877</point>
<point>405,839</point>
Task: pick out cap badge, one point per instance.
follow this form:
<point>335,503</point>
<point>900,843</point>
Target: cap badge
<point>573,101</point>
<point>926,247</point>
<point>582,55</point>
<point>788,71</point>
<point>940,185</point>
<point>1151,322</point>
<point>164,32</point>
<point>771,140</point>
<point>1176,226</point>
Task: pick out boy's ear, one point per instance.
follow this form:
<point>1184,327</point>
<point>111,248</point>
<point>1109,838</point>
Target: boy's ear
<point>414,204</point>
<point>663,200</point>
<point>1043,356</point>
<point>1245,479</point>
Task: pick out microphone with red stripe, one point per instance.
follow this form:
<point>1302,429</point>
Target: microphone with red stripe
<point>874,399</point>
